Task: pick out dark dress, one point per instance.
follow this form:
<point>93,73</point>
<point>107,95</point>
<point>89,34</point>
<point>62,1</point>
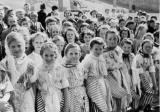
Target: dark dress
<point>41,17</point>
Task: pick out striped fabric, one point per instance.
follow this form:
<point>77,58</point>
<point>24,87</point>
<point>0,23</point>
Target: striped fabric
<point>94,93</point>
<point>93,107</point>
<point>117,91</point>
<point>62,105</point>
<point>147,91</point>
<point>39,103</point>
<point>146,99</point>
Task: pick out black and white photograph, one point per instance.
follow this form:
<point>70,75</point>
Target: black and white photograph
<point>79,55</point>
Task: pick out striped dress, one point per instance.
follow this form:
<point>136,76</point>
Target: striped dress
<point>98,89</point>
<point>78,100</point>
<point>51,81</point>
<point>117,78</point>
<point>142,66</point>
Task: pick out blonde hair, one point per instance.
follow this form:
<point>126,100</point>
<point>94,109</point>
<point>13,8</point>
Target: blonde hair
<point>49,45</point>
<point>11,37</point>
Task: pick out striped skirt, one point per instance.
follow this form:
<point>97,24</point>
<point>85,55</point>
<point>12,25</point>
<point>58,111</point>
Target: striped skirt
<point>146,99</point>
<point>39,102</point>
<point>97,102</point>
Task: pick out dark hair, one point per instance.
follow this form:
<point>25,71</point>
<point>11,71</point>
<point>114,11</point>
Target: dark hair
<point>127,41</point>
<point>54,8</point>
<point>69,46</point>
<point>92,12</point>
<point>71,29</point>
<point>88,32</point>
<point>121,31</point>
<point>96,40</point>
<point>23,19</point>
<point>42,6</point>
<point>121,20</point>
<point>129,23</point>
<point>154,17</point>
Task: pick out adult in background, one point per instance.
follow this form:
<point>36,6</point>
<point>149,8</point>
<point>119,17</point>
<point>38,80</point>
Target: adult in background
<point>54,9</point>
<point>42,15</point>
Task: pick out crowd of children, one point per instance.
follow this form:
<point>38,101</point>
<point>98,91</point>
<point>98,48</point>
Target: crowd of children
<point>83,63</point>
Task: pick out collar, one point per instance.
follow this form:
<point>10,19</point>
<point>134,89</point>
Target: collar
<point>144,55</point>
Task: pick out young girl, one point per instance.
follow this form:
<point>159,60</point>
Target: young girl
<point>59,41</point>
<point>86,37</point>
<point>52,79</point>
<point>5,91</point>
<point>71,35</point>
<point>95,70</point>
<point>78,100</point>
<point>128,57</point>
<point>140,31</point>
<point>143,74</point>
<point>116,73</point>
<point>102,30</point>
<point>21,69</point>
<point>35,25</point>
<point>55,30</point>
<point>37,40</point>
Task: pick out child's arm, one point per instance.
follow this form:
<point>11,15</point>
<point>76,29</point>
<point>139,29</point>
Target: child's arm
<point>66,99</point>
<point>6,97</point>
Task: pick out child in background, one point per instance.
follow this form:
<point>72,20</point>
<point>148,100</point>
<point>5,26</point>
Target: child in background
<point>78,100</point>
<point>35,25</point>
<point>55,30</point>
<point>116,72</point>
<point>98,89</point>
<point>128,57</point>
<point>5,91</point>
<point>140,31</point>
<point>52,80</point>
<point>21,70</point>
<point>36,42</point>
<point>59,41</point>
<point>86,37</point>
<point>144,74</point>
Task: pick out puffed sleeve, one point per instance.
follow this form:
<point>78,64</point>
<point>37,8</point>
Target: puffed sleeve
<point>136,69</point>
<point>9,86</point>
<point>152,67</point>
<point>64,76</point>
<point>86,66</point>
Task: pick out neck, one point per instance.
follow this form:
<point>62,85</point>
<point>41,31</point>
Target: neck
<point>37,51</point>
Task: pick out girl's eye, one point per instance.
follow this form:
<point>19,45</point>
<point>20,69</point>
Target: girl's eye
<point>46,55</point>
<point>19,46</point>
<point>76,53</point>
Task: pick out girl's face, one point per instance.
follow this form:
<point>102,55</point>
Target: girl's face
<point>124,34</point>
<point>87,38</point>
<point>111,40</point>
<point>102,32</point>
<point>73,55</point>
<point>14,29</point>
<point>60,45</point>
<point>34,18</point>
<point>49,56</point>
<point>55,31</point>
<point>26,24</point>
<point>37,43</point>
<point>70,36</point>
<point>97,50</point>
<point>84,28</point>
<point>147,48</point>
<point>16,49</point>
<point>127,48</point>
